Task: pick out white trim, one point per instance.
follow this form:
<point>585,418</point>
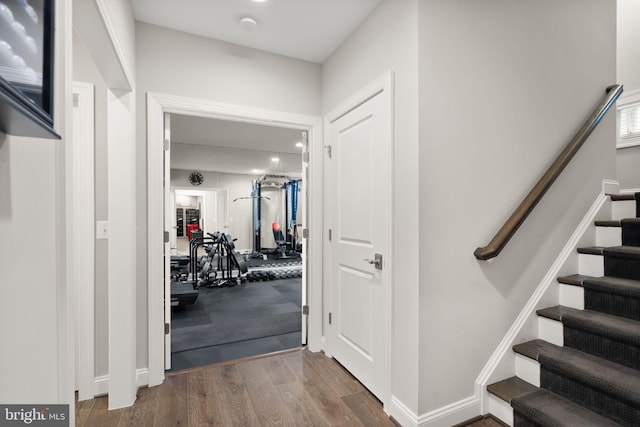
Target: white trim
<point>626,100</point>
<point>401,412</point>
<point>101,383</point>
<point>157,105</point>
<point>528,312</point>
<point>382,86</point>
<point>81,235</point>
<point>630,190</point>
<point>448,415</point>
<point>103,8</point>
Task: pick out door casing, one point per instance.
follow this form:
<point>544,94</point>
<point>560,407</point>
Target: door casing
<point>157,105</point>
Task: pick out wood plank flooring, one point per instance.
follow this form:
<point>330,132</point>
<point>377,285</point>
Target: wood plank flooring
<point>297,388</point>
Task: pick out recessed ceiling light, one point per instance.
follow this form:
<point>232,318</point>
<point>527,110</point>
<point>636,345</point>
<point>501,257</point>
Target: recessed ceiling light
<point>248,23</point>
<point>259,1</point>
<point>275,159</point>
<point>299,144</point>
<point>257,171</point>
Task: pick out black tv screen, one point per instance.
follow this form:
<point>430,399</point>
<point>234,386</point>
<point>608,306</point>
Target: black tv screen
<point>26,65</point>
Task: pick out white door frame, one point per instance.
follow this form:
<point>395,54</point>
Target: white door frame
<point>157,105</point>
<point>81,236</point>
<point>382,86</point>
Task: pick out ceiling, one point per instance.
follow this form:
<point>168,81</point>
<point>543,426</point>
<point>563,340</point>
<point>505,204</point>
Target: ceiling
<point>305,29</point>
<point>225,133</point>
<point>214,145</point>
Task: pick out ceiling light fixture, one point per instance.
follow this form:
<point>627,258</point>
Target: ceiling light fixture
<point>275,159</point>
<point>248,23</point>
<point>299,144</point>
<point>259,1</point>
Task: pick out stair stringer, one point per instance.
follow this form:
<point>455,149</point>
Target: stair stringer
<point>501,364</point>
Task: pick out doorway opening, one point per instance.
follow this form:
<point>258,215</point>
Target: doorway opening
<point>236,205</point>
<point>158,266</point>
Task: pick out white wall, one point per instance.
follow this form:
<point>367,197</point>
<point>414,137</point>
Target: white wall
<point>176,63</point>
<point>387,40</point>
<point>504,84</point>
<point>628,48</point>
<point>236,185</point>
<point>34,315</point>
<point>629,75</point>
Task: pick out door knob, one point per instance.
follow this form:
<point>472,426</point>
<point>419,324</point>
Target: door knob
<point>377,261</point>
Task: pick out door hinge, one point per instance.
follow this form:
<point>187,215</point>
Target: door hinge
<point>329,318</point>
<point>167,144</point>
<point>167,329</point>
<point>328,148</point>
<point>305,233</point>
<point>166,237</point>
<point>305,309</point>
<point>329,234</point>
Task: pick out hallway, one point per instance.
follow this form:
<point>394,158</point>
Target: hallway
<point>288,389</point>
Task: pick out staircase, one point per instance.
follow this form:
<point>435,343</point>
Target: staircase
<point>584,369</point>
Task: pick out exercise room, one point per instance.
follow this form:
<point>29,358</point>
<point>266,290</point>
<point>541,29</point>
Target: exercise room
<point>236,205</point>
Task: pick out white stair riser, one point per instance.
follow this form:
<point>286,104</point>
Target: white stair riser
<point>591,265</point>
<point>500,409</point>
<point>550,331</point>
<point>528,370</point>
<point>608,236</point>
<point>622,209</point>
<point>572,296</point>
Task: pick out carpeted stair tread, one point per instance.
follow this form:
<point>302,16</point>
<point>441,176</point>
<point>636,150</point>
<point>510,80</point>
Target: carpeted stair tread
<point>604,325</point>
<point>574,279</point>
<point>547,409</point>
<point>631,222</point>
<point>510,388</point>
<point>619,197</point>
<point>631,231</point>
<point>591,250</point>
<point>616,381</point>
<point>622,261</point>
<point>556,312</point>
<point>608,223</point>
<point>627,252</point>
<point>613,285</point>
<point>534,348</point>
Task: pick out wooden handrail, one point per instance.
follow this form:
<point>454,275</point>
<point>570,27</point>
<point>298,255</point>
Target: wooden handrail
<point>518,216</point>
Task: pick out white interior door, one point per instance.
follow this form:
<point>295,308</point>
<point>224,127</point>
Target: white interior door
<point>169,215</point>
<point>360,196</point>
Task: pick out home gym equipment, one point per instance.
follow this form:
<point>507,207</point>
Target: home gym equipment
<point>221,266</point>
<point>280,240</point>
<point>290,188</point>
<point>275,271</point>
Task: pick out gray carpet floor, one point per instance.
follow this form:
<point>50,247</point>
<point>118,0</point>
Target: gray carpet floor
<point>232,322</point>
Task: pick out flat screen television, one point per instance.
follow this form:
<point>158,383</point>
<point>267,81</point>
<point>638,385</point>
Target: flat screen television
<point>26,67</point>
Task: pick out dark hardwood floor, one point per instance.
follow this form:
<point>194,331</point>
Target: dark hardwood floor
<point>295,388</point>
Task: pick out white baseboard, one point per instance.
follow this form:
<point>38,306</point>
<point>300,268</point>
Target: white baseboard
<point>446,416</point>
<point>101,383</point>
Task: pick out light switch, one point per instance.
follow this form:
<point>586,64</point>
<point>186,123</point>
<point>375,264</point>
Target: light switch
<point>102,230</point>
